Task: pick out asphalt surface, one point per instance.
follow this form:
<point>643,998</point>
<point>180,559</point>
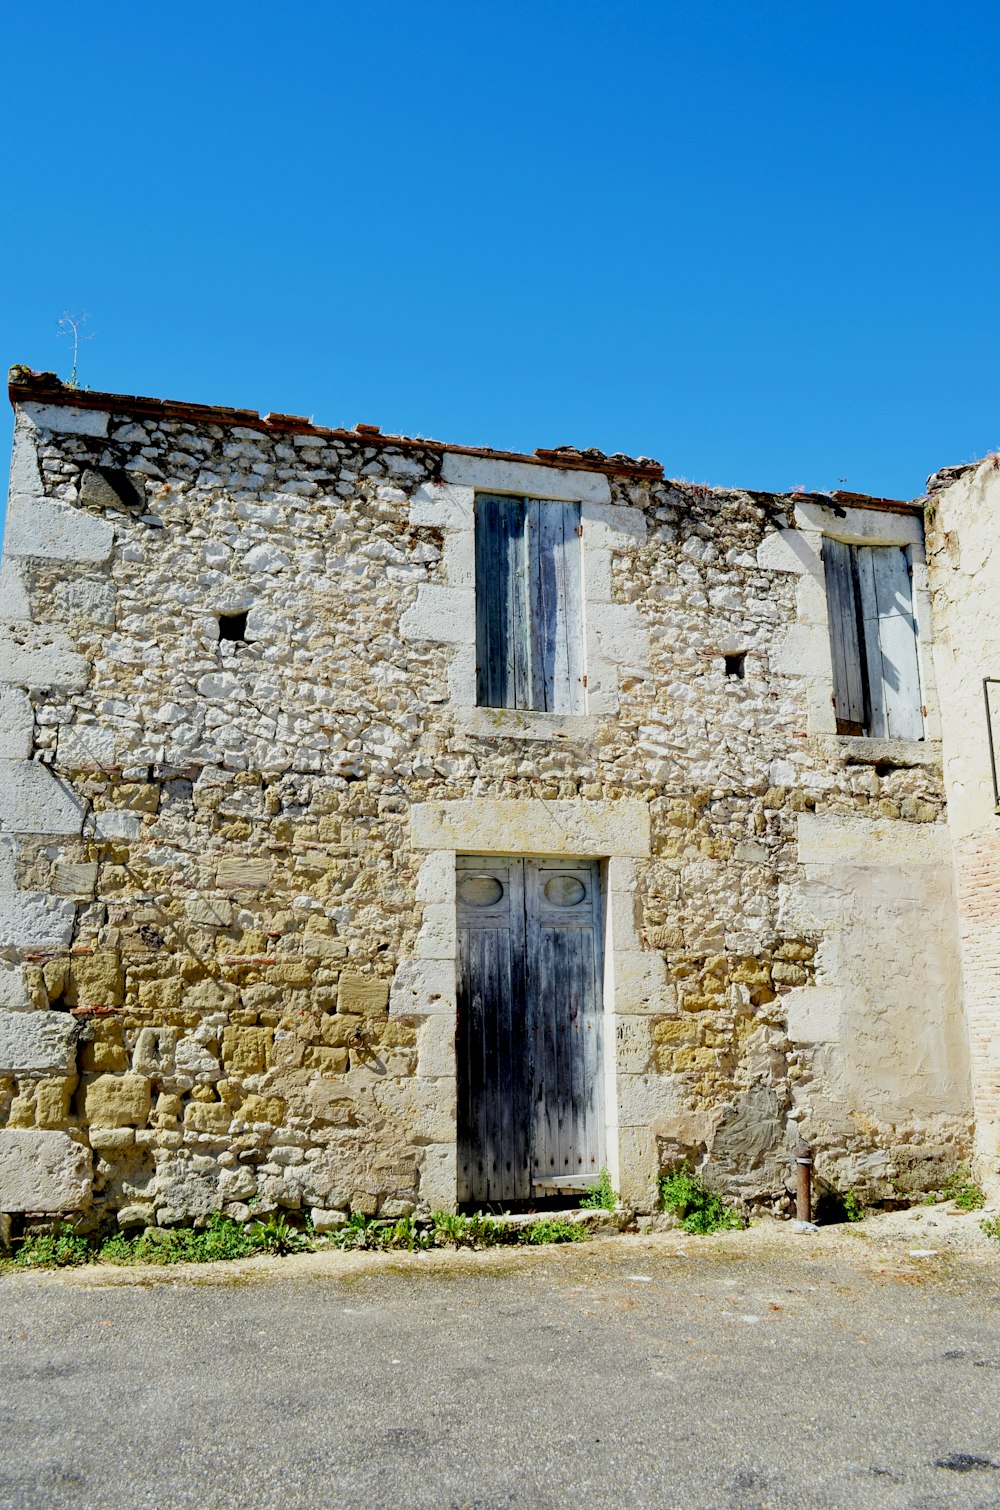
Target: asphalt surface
<point>631,1371</point>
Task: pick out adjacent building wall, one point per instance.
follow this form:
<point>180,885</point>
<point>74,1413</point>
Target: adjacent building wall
<point>227,907</point>
<point>963,510</point>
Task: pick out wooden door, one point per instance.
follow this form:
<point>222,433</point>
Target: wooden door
<point>529,1032</point>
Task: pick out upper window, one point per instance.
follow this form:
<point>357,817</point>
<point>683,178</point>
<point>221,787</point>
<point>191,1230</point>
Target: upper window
<point>873,635</point>
<point>529,605</point>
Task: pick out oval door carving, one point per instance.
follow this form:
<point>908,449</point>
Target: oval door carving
<point>480,891</point>
<point>564,891</point>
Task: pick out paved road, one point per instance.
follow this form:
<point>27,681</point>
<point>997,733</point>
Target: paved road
<point>639,1372</point>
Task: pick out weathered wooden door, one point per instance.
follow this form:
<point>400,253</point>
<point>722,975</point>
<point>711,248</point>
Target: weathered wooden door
<point>530,1066</point>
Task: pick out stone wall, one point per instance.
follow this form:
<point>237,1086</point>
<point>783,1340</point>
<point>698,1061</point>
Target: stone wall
<point>227,883</point>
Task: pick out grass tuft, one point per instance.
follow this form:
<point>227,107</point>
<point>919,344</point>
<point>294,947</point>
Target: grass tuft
<point>702,1211</point>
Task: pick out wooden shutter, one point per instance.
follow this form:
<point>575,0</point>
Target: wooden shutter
<point>842,609</point>
<point>556,607</point>
<point>529,601</point>
<point>890,636</point>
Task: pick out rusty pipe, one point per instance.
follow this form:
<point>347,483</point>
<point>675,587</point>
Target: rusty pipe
<point>803,1183</point>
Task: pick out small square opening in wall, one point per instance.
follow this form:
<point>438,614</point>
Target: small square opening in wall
<point>233,626</point>
<point>736,664</point>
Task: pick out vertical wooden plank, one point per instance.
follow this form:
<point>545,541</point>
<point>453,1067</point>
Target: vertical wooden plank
<point>848,682</point>
<point>897,635</point>
<point>865,578</point>
<point>564,950</point>
<point>502,610</point>
<point>485,531</point>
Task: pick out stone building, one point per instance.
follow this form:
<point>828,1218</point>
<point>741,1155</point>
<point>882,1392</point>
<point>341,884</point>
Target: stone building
<point>387,823</point>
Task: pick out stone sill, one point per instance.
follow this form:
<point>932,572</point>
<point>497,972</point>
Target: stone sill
<point>855,750</point>
<point>516,723</point>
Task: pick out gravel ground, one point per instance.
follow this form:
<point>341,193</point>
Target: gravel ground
<point>856,1367</point>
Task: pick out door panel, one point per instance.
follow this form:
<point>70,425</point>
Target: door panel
<point>530,1071</point>
<point>563,931</point>
<point>491,1039</point>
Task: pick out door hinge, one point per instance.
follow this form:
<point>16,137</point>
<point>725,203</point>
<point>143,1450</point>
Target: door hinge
<point>584,679</point>
<point>579,529</point>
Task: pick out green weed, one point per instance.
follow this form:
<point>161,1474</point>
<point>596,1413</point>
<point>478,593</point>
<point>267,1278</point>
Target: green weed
<point>275,1234</point>
<point>991,1226</point>
<point>700,1210</point>
<point>834,1206</point>
<point>53,1250</point>
<point>961,1188</point>
<point>555,1230</point>
<point>602,1196</point>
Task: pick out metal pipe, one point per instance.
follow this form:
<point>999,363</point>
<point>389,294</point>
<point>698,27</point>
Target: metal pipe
<point>803,1183</point>
<point>988,682</point>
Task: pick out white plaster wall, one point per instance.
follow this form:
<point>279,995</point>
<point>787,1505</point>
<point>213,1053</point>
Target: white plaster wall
<point>964,521</point>
<point>884,1018</point>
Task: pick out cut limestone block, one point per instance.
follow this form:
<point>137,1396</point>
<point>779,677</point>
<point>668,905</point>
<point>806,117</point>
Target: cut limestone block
<point>43,1171</point>
<point>37,1043</point>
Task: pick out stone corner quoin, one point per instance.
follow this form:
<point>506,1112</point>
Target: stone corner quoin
<point>241,752</point>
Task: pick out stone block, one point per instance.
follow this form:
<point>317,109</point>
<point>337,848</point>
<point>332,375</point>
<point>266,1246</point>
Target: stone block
<point>270,1109</point>
<point>32,656</point>
<point>103,1058</point>
<point>83,746</point>
<point>31,921</point>
<point>208,1116</point>
<point>360,996</point>
<point>96,980</point>
<point>231,875</point>
<point>43,1171</point>
<point>111,1140</point>
<point>14,603</point>
<point>13,988</point>
<point>436,1047</point>
<point>161,995</point>
<point>246,1051</point>
<point>74,880</point>
<point>66,419</point>
<point>524,478</point>
<point>53,1100</point>
<point>44,530</point>
<point>423,988</point>
<point>328,1221</point>
<point>211,913</point>
<point>327,1061</point>
<point>117,1100</point>
<point>441,614</point>
<point>17,725</point>
<point>37,1043</point>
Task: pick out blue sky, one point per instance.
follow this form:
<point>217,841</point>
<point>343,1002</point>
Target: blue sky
<point>758,242</point>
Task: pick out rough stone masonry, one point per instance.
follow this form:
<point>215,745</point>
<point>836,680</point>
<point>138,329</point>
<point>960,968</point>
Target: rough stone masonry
<point>241,751</point>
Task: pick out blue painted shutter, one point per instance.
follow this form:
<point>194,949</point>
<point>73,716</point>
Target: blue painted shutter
<point>529,605</point>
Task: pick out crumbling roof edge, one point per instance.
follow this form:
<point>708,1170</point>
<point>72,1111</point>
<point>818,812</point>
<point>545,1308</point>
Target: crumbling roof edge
<point>25,385</point>
<point>44,387</point>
